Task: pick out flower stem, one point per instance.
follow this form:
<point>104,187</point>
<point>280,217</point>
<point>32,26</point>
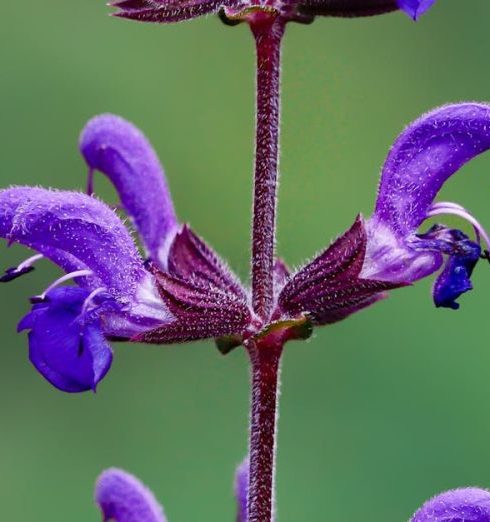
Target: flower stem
<point>265,358</point>
<point>267,29</point>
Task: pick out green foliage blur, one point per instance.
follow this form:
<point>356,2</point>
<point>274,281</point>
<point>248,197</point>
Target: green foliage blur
<point>378,412</point>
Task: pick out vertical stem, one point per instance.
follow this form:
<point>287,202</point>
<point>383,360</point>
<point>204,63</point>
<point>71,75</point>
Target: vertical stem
<point>268,29</point>
<point>265,357</point>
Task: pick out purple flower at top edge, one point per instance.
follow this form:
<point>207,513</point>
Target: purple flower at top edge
<point>388,250</point>
<point>458,505</point>
<point>182,291</point>
<point>169,11</point>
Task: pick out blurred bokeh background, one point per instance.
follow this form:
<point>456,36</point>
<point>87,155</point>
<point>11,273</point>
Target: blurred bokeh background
<point>378,412</point>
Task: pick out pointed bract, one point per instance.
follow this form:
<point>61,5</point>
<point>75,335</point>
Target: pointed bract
<point>202,310</point>
<point>190,258</point>
<point>163,11</point>
<point>330,287</point>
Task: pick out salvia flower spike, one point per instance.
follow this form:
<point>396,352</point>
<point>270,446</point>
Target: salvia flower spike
<point>182,291</point>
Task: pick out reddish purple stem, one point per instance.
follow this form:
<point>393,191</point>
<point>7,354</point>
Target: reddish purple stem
<point>265,357</point>
<point>265,352</point>
<point>268,30</point>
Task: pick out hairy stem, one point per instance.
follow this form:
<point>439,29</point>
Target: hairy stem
<point>265,357</point>
<point>267,29</point>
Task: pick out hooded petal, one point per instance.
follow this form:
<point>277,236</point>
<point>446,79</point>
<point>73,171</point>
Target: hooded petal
<point>75,231</point>
<point>67,347</point>
<point>458,505</point>
<point>119,150</point>
<point>424,156</point>
<point>123,498</point>
<point>415,8</point>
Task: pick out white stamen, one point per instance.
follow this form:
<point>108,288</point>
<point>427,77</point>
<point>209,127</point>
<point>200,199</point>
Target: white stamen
<point>90,299</point>
<point>458,210</point>
<point>29,262</point>
<point>61,280</point>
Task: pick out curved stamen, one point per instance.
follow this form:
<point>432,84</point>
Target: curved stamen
<point>67,277</point>
<point>24,268</point>
<point>90,299</point>
<point>454,206</point>
<point>457,210</point>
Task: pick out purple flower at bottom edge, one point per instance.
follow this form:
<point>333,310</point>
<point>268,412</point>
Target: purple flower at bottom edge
<point>388,250</point>
<point>242,476</point>
<point>458,505</point>
<point>123,498</point>
<point>181,292</point>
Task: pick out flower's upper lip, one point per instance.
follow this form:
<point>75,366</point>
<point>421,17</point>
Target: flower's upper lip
<point>424,156</point>
<point>76,232</point>
<point>119,150</point>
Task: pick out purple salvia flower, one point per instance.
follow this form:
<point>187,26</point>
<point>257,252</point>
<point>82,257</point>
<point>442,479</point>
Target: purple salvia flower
<point>123,498</point>
<point>458,505</point>
<point>387,251</point>
<point>425,155</point>
<point>182,292</point>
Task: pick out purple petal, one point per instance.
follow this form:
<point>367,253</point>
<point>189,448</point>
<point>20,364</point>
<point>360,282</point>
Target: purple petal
<point>463,254</point>
<point>415,8</point>
<point>118,149</point>
<point>123,498</point>
<point>69,350</point>
<point>241,490</point>
<point>458,505</point>
<point>423,157</point>
<point>73,229</point>
<point>159,11</point>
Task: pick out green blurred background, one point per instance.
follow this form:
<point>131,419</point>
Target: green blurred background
<point>378,412</point>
